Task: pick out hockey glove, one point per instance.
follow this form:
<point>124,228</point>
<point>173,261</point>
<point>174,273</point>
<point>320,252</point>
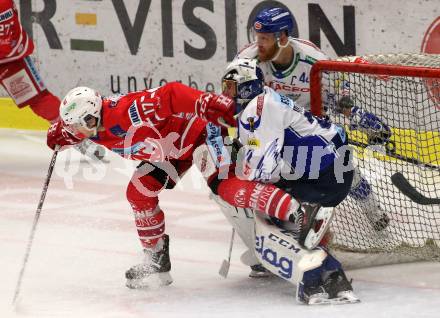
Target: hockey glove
<point>57,135</point>
<point>218,109</point>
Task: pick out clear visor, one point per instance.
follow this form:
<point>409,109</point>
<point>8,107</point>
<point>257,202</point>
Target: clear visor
<point>229,88</point>
<point>88,127</point>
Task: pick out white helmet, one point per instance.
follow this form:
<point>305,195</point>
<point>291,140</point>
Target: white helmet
<point>77,108</point>
<point>243,81</point>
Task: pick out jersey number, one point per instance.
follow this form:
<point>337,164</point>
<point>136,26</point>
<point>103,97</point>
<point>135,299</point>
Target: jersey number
<point>5,29</point>
<point>303,78</point>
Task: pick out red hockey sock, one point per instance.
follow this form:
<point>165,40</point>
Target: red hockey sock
<point>250,194</point>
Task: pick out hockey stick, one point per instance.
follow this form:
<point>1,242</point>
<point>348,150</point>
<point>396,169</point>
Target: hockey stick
<point>391,153</point>
<point>407,189</point>
<point>224,268</point>
<point>34,225</point>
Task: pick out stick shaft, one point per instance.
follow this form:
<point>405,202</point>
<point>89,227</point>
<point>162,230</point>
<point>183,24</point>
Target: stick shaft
<point>231,244</point>
<point>34,225</point>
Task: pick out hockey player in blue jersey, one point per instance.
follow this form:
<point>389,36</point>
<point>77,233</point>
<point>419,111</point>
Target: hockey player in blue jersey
<point>286,63</point>
<point>294,168</point>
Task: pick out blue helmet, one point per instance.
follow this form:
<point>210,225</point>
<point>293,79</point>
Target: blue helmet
<point>243,81</point>
<point>273,20</point>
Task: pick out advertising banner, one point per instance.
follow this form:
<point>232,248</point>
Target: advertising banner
<point>126,45</point>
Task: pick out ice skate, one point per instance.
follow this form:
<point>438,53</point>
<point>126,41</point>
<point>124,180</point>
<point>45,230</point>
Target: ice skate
<point>312,295</point>
<point>258,271</point>
<point>336,289</point>
<point>154,271</point>
<point>339,288</point>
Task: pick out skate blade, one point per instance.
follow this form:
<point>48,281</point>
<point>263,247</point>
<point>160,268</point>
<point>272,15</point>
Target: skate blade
<point>152,281</point>
<point>313,238</point>
<point>255,274</point>
<point>347,297</point>
<point>333,301</point>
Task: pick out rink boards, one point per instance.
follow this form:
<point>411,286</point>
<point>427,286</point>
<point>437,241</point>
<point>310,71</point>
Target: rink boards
<point>13,117</point>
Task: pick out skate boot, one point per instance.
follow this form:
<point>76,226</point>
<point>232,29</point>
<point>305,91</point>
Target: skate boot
<point>155,270</point>
<point>312,294</point>
<point>336,289</point>
<point>339,288</point>
<point>312,221</point>
<point>310,290</point>
<point>258,271</point>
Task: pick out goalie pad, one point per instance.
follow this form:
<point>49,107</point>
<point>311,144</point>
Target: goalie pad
<point>242,220</point>
<point>279,252</point>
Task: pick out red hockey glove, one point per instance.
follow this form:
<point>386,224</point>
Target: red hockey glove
<point>57,135</point>
<point>218,109</point>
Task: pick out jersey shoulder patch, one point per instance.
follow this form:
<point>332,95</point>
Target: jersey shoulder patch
<point>284,101</point>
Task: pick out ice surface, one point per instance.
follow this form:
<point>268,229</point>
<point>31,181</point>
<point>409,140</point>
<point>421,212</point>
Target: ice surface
<point>86,239</point>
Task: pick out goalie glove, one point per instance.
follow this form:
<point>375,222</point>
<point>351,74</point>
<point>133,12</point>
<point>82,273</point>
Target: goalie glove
<point>218,109</point>
<point>378,133</point>
<point>376,130</point>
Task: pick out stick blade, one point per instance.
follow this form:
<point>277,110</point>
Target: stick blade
<point>224,269</point>
<point>407,189</point>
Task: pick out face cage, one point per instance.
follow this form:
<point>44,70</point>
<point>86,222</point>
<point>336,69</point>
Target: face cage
<point>229,88</point>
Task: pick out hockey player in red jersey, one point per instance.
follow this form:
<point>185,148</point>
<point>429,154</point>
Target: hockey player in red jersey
<point>18,74</point>
<point>160,127</point>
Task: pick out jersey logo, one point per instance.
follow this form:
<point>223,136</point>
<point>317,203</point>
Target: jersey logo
<point>215,144</point>
<point>253,142</point>
<point>118,131</point>
<point>251,124</point>
<point>133,113</point>
<point>20,87</point>
<point>6,15</point>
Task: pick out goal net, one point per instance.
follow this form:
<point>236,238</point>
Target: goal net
<point>401,167</point>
